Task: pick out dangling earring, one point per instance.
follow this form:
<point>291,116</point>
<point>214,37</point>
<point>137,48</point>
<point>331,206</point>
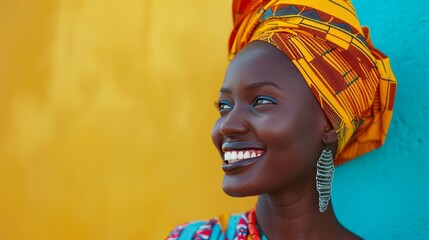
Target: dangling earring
<point>325,173</point>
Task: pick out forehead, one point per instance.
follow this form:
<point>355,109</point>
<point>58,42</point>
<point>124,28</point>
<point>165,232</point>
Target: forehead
<point>261,62</point>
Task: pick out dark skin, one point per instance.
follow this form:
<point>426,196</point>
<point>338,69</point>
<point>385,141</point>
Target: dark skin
<point>267,107</point>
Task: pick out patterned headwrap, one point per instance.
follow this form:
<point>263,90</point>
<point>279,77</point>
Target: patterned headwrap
<point>350,78</point>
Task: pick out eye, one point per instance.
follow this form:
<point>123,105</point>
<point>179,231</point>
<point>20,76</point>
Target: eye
<point>264,100</point>
<point>223,105</point>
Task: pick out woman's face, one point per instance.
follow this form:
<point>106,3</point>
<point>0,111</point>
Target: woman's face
<point>270,129</point>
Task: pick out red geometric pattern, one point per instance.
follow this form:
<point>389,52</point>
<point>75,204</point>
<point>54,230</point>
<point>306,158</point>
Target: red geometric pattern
<point>204,232</point>
<point>213,229</point>
<point>241,230</point>
<point>351,79</point>
<point>175,233</point>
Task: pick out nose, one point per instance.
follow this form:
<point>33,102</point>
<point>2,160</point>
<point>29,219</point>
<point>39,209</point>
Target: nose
<point>233,123</point>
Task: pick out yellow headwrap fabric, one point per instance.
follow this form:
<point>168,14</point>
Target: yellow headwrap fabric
<point>352,80</point>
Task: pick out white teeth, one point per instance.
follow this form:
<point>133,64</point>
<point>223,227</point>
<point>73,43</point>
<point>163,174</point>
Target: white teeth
<point>233,161</point>
<point>233,155</point>
<point>227,156</point>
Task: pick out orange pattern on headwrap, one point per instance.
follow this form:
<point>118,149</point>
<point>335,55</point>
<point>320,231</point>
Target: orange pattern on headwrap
<point>352,80</point>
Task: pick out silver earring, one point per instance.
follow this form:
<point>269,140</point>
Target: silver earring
<point>325,173</point>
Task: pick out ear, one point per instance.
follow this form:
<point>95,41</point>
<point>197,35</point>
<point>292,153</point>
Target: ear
<point>329,133</point>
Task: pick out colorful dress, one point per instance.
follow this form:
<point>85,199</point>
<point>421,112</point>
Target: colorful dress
<point>233,227</point>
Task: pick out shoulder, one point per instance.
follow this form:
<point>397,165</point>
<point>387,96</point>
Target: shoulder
<point>223,227</point>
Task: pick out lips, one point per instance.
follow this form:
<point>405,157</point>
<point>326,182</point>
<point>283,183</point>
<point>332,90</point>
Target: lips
<point>240,154</point>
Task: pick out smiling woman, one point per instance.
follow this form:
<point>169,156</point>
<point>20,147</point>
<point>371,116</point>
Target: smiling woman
<point>305,90</point>
<point>262,88</point>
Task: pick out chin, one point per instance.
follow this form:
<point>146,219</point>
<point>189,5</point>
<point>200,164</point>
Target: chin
<point>237,190</point>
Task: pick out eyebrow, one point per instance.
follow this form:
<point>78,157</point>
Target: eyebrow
<point>261,84</point>
<point>253,86</point>
<point>225,90</point>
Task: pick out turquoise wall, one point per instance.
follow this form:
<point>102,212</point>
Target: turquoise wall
<point>385,194</point>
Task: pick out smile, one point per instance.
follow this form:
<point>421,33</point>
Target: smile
<point>238,155</point>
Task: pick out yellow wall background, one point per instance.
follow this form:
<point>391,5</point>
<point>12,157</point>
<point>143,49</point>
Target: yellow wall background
<point>106,109</point>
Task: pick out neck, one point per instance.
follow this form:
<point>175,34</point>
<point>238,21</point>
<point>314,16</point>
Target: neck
<point>295,214</point>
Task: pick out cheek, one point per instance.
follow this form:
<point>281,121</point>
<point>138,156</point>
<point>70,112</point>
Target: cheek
<point>292,153</point>
<point>278,131</point>
<point>294,138</point>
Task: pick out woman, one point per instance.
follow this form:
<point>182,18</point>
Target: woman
<point>305,91</point>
